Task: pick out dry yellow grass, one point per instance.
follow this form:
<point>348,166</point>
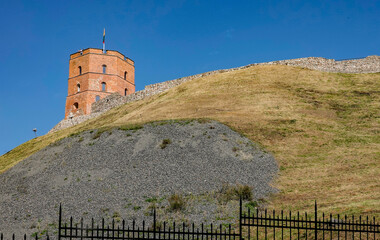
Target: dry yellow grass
<point>323,129</point>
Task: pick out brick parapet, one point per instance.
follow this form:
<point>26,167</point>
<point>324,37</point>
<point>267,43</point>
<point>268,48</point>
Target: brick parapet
<point>100,52</point>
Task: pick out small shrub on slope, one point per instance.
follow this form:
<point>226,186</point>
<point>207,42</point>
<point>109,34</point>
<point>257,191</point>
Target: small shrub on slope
<point>176,202</point>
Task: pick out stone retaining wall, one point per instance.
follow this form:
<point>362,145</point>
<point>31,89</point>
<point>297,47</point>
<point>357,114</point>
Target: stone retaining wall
<point>370,64</point>
<point>65,123</point>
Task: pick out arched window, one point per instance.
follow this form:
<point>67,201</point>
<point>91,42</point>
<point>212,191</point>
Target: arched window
<point>103,86</point>
<point>78,87</point>
<point>125,75</point>
<point>97,98</point>
<point>125,92</point>
<point>76,105</point>
<point>104,69</point>
<point>80,70</point>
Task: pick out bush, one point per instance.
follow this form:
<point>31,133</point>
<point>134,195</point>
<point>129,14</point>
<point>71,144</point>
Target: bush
<point>244,192</point>
<point>165,142</point>
<point>176,202</point>
<point>228,192</point>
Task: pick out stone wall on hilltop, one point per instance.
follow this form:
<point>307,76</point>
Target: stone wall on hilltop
<point>370,64</point>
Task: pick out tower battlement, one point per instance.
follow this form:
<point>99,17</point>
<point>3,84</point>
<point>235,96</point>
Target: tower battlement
<point>94,75</point>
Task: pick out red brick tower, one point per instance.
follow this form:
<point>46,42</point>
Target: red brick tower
<point>94,75</point>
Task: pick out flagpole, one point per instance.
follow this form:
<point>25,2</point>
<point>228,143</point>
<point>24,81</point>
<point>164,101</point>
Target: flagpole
<point>104,41</point>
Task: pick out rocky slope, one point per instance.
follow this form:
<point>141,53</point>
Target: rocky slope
<point>122,173</point>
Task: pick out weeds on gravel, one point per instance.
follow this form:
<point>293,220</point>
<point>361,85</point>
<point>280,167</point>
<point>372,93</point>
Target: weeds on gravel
<point>235,149</point>
<point>159,225</point>
<point>116,216</point>
<point>154,199</point>
<point>204,120</point>
<point>130,127</point>
<point>150,209</point>
<point>228,193</point>
<point>251,205</point>
<point>165,142</point>
<point>244,192</point>
<point>176,202</point>
<point>74,134</point>
<point>150,200</point>
<point>97,134</point>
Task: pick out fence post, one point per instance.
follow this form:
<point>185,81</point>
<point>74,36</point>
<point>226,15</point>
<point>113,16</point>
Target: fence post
<point>60,222</point>
<point>154,223</point>
<point>316,220</point>
<point>240,218</point>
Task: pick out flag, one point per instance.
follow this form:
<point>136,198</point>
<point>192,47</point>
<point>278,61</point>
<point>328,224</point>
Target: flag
<point>104,36</point>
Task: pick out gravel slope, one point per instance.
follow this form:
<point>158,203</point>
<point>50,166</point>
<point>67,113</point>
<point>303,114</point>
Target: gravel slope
<point>121,173</point>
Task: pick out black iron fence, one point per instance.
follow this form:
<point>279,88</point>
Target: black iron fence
<point>254,223</point>
<point>158,230</point>
<point>271,225</point>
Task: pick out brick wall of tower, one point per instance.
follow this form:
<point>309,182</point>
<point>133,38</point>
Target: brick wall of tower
<point>91,77</point>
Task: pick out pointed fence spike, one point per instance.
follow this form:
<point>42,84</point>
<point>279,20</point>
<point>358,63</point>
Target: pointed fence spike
<point>154,221</point>
<point>102,231</point>
<point>59,221</point>
<point>123,222</point>
<point>112,228</point>
<point>315,208</point>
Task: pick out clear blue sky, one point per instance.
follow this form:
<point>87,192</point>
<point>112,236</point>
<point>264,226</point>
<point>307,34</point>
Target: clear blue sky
<point>166,39</point>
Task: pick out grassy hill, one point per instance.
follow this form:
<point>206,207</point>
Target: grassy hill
<point>323,129</point>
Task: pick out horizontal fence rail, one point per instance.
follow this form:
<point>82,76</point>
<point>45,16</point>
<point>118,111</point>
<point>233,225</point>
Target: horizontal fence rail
<point>25,237</point>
